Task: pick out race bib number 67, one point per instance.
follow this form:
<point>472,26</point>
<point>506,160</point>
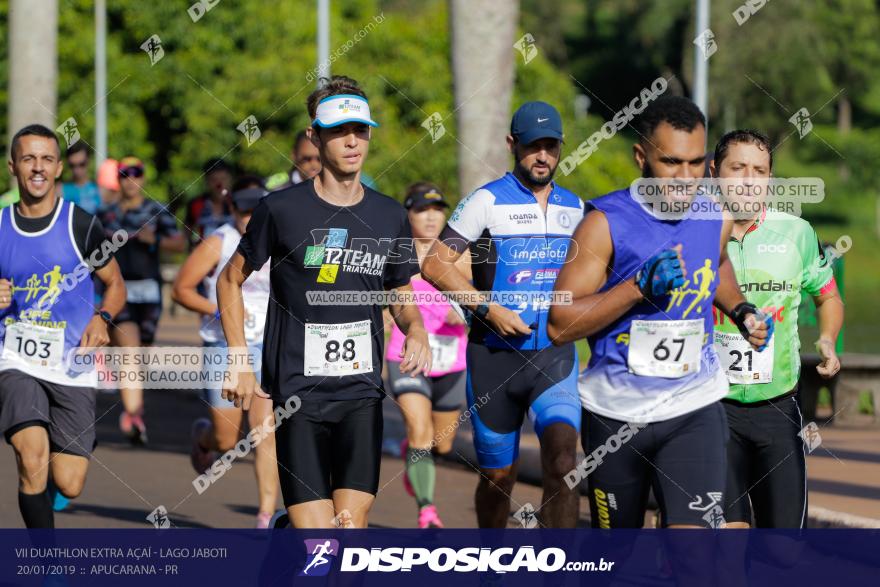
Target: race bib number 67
<point>665,348</point>
<point>338,349</point>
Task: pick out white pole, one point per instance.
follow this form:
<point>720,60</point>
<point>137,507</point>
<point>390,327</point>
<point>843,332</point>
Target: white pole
<point>100,82</point>
<point>323,40</point>
<point>701,65</point>
<point>32,26</point>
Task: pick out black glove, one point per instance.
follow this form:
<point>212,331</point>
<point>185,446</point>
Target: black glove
<point>741,312</point>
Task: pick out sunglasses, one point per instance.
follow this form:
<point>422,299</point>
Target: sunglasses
<point>131,172</point>
<point>79,165</point>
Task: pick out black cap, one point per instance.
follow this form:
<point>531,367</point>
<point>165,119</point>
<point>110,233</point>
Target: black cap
<point>424,198</point>
<point>215,164</point>
<point>247,200</point>
<point>536,120</point>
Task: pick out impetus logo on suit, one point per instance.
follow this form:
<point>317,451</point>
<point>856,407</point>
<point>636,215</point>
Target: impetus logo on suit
<point>331,254</point>
<point>321,554</point>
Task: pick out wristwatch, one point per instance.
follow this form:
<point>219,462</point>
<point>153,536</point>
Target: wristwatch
<point>481,311</point>
<point>105,316</point>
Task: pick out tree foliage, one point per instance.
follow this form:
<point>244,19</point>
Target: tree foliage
<point>258,58</point>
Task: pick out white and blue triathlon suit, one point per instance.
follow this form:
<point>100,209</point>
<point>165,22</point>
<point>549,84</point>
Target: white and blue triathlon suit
<point>517,251</point>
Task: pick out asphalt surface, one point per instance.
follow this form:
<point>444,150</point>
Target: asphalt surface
<point>125,484</point>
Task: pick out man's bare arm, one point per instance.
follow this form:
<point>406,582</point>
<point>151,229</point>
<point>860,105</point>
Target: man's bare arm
<point>440,268</point>
<point>114,287</point>
<point>231,301</point>
<point>584,273</point>
<point>727,292</point>
<point>728,295</point>
<point>416,352</point>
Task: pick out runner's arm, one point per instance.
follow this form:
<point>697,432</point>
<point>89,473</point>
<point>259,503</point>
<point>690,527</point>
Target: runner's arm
<point>114,287</point>
<point>416,352</point>
<point>818,281</point>
<point>455,316</point>
<point>230,298</point>
<point>442,266</point>
<point>96,333</point>
<point>254,249</point>
<point>829,311</point>
<point>201,262</point>
<point>728,295</point>
<point>442,269</point>
<point>585,271</point>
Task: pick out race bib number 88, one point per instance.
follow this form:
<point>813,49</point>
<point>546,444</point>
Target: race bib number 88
<point>665,348</point>
<point>338,349</point>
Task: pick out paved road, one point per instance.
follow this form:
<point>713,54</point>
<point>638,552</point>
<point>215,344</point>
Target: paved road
<point>125,484</point>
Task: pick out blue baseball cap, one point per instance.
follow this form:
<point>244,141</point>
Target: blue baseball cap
<point>536,120</point>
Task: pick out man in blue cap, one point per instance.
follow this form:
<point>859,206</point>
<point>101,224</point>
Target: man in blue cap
<point>518,230</point>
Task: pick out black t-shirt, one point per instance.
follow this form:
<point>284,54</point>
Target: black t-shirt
<point>318,247</point>
<point>88,232</point>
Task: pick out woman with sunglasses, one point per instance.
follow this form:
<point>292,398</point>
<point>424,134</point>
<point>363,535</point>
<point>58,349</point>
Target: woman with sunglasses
<point>151,229</point>
<point>430,403</point>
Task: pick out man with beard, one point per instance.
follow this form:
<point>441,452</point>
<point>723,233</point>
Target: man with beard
<point>643,289</point>
<point>518,230</point>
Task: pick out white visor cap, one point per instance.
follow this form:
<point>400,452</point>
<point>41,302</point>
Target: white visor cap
<point>342,108</point>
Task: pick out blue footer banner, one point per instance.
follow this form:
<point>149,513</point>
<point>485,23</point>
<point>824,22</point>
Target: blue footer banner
<point>416,558</point>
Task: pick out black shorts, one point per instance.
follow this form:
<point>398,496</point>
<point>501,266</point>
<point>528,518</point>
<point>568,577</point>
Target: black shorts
<point>66,412</point>
<point>329,445</point>
<point>446,392</point>
<point>683,459</point>
<point>766,470</point>
<point>146,316</point>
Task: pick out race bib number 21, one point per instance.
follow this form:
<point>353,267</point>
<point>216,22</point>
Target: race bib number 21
<point>743,364</point>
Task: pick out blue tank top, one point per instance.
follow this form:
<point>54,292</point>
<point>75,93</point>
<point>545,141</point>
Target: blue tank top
<point>51,289</point>
<point>609,386</point>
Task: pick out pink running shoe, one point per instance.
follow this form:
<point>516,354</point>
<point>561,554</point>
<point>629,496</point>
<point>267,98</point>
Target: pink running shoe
<point>263,519</point>
<point>200,457</point>
<point>133,427</point>
<point>404,444</point>
<point>428,518</point>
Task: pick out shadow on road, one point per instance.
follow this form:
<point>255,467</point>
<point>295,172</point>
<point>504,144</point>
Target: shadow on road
<point>135,515</point>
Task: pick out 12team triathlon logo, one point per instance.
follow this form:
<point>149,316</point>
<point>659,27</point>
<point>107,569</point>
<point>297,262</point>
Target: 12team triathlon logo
<point>331,255</point>
<point>322,552</point>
